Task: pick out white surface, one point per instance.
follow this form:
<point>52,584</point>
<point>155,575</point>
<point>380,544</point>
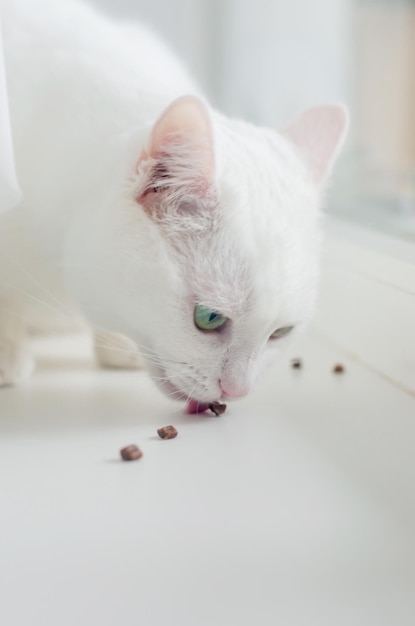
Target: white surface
<point>294,508</point>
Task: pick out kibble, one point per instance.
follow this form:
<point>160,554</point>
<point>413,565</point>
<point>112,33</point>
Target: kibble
<point>296,363</point>
<point>338,368</point>
<point>217,408</point>
<point>131,453</point>
<point>167,432</point>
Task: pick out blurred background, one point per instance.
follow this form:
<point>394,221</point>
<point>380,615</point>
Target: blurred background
<point>267,60</point>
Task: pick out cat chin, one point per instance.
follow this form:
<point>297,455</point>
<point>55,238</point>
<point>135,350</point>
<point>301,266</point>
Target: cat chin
<point>159,376</point>
<point>192,406</point>
<point>169,389</point>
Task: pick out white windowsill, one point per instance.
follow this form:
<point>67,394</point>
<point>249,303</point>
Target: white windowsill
<point>367,303</point>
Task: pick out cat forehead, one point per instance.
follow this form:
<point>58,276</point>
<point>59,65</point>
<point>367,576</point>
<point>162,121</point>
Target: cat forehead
<point>240,144</point>
<point>241,279</point>
<point>268,199</point>
<point>256,249</point>
<point>262,179</point>
<point>219,272</point>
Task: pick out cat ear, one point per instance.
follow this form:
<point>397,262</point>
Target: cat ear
<point>180,149</point>
<point>319,134</point>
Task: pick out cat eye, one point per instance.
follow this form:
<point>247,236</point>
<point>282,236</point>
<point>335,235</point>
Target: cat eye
<point>281,332</point>
<point>208,319</point>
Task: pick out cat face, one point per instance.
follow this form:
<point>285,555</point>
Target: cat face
<point>231,311</point>
<point>225,272</point>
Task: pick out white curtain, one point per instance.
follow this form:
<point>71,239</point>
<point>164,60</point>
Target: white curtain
<point>9,190</point>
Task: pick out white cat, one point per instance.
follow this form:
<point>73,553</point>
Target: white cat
<point>195,236</point>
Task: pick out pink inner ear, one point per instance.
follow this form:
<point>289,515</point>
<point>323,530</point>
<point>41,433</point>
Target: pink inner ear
<point>178,161</point>
<point>319,134</point>
<point>184,125</point>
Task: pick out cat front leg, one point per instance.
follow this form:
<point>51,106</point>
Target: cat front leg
<point>16,360</point>
<point>115,350</point>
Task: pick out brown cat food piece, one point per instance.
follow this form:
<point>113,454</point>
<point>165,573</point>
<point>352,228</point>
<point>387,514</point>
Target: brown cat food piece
<point>217,408</point>
<point>131,453</point>
<point>296,363</point>
<point>338,368</point>
<point>167,432</point>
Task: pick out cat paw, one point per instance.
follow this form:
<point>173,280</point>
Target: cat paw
<point>117,351</point>
<point>16,364</point>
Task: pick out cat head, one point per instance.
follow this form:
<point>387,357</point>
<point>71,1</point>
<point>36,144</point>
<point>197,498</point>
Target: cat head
<point>221,263</point>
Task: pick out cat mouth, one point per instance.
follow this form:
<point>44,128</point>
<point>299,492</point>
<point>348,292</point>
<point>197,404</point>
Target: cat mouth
<point>193,406</point>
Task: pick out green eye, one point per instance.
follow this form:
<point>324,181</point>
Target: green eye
<point>207,319</point>
<point>281,332</point>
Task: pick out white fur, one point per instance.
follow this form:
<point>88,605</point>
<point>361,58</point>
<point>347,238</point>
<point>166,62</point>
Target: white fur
<point>233,225</point>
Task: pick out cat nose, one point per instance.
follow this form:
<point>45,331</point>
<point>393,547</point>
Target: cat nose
<point>233,390</point>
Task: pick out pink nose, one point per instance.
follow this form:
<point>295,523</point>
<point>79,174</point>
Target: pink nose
<point>233,390</point>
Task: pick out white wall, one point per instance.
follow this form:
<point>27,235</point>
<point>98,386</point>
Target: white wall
<point>264,59</point>
<point>283,56</point>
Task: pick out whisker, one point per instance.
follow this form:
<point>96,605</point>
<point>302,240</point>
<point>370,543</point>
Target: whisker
<point>151,356</point>
<point>30,276</point>
<point>35,298</point>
